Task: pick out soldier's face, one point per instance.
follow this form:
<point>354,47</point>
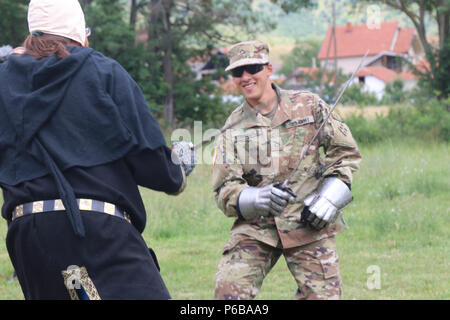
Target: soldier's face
<point>254,87</point>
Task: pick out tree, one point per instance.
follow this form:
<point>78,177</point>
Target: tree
<point>85,3</point>
<point>194,26</point>
<point>178,30</point>
<point>293,5</point>
<point>136,6</point>
<point>417,11</point>
<point>113,34</point>
<point>13,22</point>
<point>438,9</point>
<point>302,55</point>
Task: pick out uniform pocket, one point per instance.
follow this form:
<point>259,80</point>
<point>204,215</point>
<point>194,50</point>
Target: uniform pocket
<point>233,242</point>
<point>255,151</point>
<point>246,147</point>
<point>301,138</point>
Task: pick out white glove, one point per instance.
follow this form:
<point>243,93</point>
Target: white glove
<point>255,202</point>
<point>324,204</point>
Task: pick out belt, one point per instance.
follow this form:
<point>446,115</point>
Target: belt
<point>57,205</point>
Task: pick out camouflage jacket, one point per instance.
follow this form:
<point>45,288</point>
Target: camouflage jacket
<point>258,151</point>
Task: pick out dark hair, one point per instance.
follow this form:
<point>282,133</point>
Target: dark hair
<point>45,45</point>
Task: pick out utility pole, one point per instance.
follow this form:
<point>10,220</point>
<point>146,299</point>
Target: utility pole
<point>331,40</point>
<point>335,48</point>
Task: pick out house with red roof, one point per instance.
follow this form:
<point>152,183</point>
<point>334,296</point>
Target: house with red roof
<point>386,43</point>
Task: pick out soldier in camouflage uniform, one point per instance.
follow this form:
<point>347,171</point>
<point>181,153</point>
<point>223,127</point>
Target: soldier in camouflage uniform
<point>263,149</point>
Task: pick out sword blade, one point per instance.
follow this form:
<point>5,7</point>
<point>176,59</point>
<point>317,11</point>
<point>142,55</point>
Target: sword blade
<point>305,149</point>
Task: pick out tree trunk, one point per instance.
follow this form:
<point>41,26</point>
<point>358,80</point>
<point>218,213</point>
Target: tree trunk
<point>153,22</point>
<point>168,78</point>
<point>420,27</point>
<point>160,28</point>
<point>443,20</point>
<point>133,13</point>
<point>136,5</point>
<point>416,19</point>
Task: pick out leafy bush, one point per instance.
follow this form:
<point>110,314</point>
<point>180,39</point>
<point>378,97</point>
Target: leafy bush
<point>302,55</point>
<point>430,122</point>
<point>355,95</point>
<point>437,80</point>
<point>394,93</point>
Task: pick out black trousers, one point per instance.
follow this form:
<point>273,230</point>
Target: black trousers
<point>114,254</point>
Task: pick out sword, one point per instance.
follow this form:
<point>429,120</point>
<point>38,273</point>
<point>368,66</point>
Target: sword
<point>284,186</point>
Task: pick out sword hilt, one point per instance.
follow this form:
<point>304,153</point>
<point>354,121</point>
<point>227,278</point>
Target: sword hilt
<point>285,189</point>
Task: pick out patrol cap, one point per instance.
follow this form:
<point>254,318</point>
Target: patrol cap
<point>57,17</point>
<point>248,52</point>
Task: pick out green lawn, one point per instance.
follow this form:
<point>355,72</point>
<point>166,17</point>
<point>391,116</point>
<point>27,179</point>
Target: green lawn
<point>399,225</point>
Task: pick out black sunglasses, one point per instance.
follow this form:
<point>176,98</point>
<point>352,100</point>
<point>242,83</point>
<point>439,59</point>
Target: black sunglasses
<point>251,68</point>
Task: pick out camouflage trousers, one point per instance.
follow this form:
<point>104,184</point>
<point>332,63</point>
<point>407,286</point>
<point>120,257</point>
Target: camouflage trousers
<point>314,266</point>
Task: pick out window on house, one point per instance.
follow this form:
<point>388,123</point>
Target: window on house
<point>393,63</point>
<point>361,80</point>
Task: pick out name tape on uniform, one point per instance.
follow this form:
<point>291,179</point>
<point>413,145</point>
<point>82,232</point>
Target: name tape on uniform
<point>300,122</point>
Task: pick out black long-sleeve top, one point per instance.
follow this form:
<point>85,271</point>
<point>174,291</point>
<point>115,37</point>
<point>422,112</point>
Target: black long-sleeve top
<point>81,124</point>
<point>115,182</point>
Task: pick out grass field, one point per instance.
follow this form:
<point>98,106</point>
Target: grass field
<point>399,227</point>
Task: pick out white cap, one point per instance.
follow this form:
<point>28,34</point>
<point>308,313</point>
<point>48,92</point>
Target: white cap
<point>58,17</point>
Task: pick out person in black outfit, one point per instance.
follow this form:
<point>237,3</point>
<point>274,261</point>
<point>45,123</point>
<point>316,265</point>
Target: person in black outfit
<point>76,139</point>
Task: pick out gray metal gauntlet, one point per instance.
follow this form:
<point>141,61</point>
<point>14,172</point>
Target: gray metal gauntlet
<point>256,202</point>
<point>323,205</point>
<point>183,153</point>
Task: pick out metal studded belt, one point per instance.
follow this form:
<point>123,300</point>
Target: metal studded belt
<point>57,205</point>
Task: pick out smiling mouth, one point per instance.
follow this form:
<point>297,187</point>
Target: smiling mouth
<point>248,86</point>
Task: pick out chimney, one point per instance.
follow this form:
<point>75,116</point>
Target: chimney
<point>348,27</point>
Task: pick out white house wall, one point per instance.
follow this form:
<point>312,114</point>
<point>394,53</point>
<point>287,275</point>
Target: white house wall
<point>347,65</point>
<point>372,84</point>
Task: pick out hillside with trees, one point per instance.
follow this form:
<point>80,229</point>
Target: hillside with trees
<point>157,40</point>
